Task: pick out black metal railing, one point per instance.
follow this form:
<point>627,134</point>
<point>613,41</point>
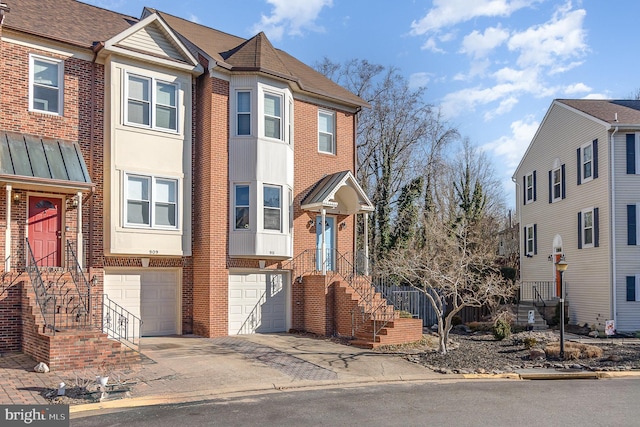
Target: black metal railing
<point>43,300</point>
<point>120,324</point>
<point>78,277</point>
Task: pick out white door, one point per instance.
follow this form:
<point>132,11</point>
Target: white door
<point>151,295</point>
<point>123,290</point>
<point>257,303</point>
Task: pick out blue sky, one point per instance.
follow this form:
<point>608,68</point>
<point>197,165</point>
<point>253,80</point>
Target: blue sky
<point>492,66</point>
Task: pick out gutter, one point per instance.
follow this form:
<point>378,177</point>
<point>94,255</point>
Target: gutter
<point>612,239</point>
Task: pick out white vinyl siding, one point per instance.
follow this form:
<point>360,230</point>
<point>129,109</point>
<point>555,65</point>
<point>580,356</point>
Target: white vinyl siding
<point>46,77</point>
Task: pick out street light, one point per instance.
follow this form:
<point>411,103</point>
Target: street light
<point>561,266</point>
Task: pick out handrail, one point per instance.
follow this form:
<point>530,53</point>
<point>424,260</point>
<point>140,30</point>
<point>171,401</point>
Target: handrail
<point>77,275</point>
<point>120,324</point>
<point>537,297</point>
<point>40,290</point>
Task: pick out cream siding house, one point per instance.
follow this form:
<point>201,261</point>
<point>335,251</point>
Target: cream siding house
<point>576,200</point>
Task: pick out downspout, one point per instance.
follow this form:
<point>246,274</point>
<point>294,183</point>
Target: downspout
<point>355,174</point>
<point>515,181</point>
<point>96,49</point>
<point>612,239</point>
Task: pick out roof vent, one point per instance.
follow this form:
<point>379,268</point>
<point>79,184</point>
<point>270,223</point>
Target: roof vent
<point>4,9</point>
<point>616,118</point>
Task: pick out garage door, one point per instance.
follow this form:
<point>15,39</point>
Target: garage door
<point>257,303</point>
<point>151,295</point>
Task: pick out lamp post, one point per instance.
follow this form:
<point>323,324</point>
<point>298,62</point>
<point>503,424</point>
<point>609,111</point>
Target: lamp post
<point>561,266</point>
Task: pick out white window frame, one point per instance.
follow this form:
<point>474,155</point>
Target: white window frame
<point>247,226</point>
<point>637,277</point>
<point>332,115</point>
<point>153,103</point>
<point>60,84</point>
<point>243,113</point>
<point>584,179</point>
<point>584,228</point>
<point>272,208</point>
<point>152,201</point>
<point>265,116</point>
<point>529,180</point>
<point>556,184</point>
<point>530,240</point>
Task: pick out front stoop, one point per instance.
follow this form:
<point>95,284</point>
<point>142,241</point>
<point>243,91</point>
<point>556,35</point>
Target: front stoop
<point>69,349</point>
<point>396,332</point>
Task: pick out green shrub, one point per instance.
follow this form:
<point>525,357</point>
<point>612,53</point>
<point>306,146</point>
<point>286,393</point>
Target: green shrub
<point>405,314</point>
<point>501,329</point>
<point>529,342</point>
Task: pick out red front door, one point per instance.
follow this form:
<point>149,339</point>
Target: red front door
<point>558,275</point>
<point>45,233</point>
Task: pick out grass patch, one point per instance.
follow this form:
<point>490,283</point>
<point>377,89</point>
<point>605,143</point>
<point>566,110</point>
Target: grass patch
<point>574,351</point>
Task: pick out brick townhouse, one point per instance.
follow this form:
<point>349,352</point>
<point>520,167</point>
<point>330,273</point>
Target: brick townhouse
<point>161,177</point>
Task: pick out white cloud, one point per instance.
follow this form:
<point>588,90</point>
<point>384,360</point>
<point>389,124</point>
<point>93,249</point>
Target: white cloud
<point>597,96</point>
<point>479,44</point>
<point>418,80</point>
<point>194,18</point>
<point>291,17</point>
<point>506,105</point>
<point>576,88</point>
<point>431,45</point>
<point>559,39</point>
<point>450,12</point>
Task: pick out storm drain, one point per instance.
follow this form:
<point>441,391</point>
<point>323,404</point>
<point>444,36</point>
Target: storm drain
<point>283,362</point>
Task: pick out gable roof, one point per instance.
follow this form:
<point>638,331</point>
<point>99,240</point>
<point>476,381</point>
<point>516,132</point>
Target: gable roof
<point>257,55</point>
<point>607,110</point>
<point>68,21</point>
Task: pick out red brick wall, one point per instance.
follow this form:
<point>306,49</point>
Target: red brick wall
<point>318,306</point>
<point>10,315</point>
<point>210,209</point>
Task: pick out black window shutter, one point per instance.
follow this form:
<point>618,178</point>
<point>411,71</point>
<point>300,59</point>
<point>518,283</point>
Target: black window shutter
<point>595,158</point>
<point>579,166</point>
<point>524,233</point>
<point>596,227</point>
<point>631,288</point>
<point>534,186</point>
<point>631,225</point>
<point>524,190</point>
<point>550,187</point>
<point>631,153</point>
<point>535,239</point>
<point>579,230</point>
<point>564,186</point>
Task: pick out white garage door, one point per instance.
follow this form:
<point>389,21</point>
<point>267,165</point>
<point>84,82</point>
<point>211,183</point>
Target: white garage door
<point>257,303</point>
<point>152,295</point>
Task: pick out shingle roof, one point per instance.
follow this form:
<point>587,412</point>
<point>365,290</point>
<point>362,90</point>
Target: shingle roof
<point>257,54</point>
<point>626,111</point>
<point>68,21</point>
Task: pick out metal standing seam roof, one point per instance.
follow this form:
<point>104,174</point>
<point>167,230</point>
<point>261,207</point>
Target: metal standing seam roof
<point>327,186</point>
<point>29,156</point>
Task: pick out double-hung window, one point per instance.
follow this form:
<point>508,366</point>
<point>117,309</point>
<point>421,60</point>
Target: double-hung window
<point>272,207</point>
<point>151,103</point>
<point>588,225</point>
<point>151,201</point>
<point>272,116</point>
<point>633,288</point>
<point>326,132</point>
<point>241,194</point>
<point>46,85</point>
<point>243,113</point>
<point>530,240</point>
<point>530,187</point>
<point>587,156</point>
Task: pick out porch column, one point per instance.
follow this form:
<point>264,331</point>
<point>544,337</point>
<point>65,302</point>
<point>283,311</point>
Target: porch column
<point>323,246</point>
<point>79,237</point>
<point>7,235</point>
<point>366,244</point>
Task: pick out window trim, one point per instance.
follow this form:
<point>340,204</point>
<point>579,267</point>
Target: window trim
<point>633,288</point>
<point>581,163</point>
<point>60,88</point>
<point>331,114</point>
<point>281,118</point>
<point>152,201</point>
<point>584,228</point>
<point>556,185</point>
<point>153,103</point>
<point>247,226</point>
<point>530,237</point>
<point>271,208</point>
<point>238,112</point>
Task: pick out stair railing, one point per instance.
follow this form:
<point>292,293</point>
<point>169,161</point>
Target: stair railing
<point>43,300</point>
<point>120,324</point>
<point>79,279</point>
